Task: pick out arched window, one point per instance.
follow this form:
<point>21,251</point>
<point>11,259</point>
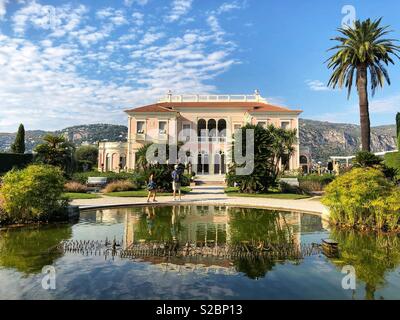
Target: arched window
<point>212,129</point>
<point>122,161</point>
<point>303,160</point>
<point>221,129</point>
<point>201,128</point>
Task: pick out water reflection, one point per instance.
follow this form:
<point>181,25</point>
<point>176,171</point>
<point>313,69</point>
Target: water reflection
<point>29,249</point>
<point>372,255</point>
<point>375,257</point>
<point>213,227</point>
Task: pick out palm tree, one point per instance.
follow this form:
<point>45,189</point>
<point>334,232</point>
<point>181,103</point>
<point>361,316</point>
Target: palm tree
<point>282,146</point>
<point>56,151</point>
<point>362,49</point>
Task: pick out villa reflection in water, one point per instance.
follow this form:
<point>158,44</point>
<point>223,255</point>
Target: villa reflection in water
<point>210,226</point>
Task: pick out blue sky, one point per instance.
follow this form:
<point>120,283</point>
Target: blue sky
<point>72,62</point>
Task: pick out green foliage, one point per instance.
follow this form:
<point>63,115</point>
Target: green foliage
<point>363,197</point>
<point>28,250</point>
<point>9,161</point>
<point>33,194</point>
<point>392,160</point>
<point>362,45</point>
<point>135,177</point>
<point>261,178</point>
<point>365,159</point>
<point>86,156</point>
<point>315,182</point>
<point>270,145</point>
<point>372,255</point>
<point>56,151</point>
<point>19,144</point>
<point>162,176</point>
<point>283,142</point>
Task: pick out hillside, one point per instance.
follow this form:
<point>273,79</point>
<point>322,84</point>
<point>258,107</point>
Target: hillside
<point>326,139</point>
<point>323,138</point>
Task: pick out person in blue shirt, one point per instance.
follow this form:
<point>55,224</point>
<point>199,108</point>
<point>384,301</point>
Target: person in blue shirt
<point>176,182</point>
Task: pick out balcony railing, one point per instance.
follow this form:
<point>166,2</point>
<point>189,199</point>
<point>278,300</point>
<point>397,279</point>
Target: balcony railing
<point>213,98</point>
<point>211,139</point>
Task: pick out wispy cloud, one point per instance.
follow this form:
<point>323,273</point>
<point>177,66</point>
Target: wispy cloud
<point>178,9</point>
<point>229,6</point>
<point>386,105</point>
<point>317,85</point>
<point>86,65</point>
<point>116,17</point>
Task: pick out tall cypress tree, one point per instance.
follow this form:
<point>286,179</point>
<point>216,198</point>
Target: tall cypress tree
<point>19,144</point>
<point>398,130</point>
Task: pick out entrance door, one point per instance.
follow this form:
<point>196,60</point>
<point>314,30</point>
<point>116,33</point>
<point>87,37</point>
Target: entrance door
<point>217,163</point>
<point>202,163</point>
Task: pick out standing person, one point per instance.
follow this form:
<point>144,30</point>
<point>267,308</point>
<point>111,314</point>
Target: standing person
<point>152,187</point>
<point>176,181</point>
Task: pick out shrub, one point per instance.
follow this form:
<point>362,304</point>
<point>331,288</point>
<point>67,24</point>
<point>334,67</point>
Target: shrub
<point>122,185</point>
<point>9,161</point>
<point>82,177</point>
<point>363,197</point>
<point>392,160</point>
<point>73,186</point>
<point>314,182</point>
<point>365,159</point>
<point>288,188</point>
<point>33,194</point>
<point>87,157</point>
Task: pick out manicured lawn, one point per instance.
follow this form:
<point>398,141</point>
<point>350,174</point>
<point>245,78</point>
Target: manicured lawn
<point>73,195</point>
<point>233,192</point>
<point>143,193</point>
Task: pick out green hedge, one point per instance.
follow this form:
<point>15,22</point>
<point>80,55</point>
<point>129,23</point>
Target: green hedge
<point>392,160</point>
<point>9,161</point>
<point>136,177</point>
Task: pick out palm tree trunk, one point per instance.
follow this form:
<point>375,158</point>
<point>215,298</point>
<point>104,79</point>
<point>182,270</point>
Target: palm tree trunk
<point>364,112</point>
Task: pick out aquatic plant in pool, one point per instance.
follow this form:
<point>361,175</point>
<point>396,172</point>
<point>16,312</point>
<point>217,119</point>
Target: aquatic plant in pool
<point>195,252</point>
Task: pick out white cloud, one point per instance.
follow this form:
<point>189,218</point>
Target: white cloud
<point>229,6</point>
<point>138,18</point>
<point>179,8</point>
<point>116,17</point>
<point>128,3</point>
<point>317,85</point>
<point>72,72</point>
<point>59,19</point>
<point>3,11</point>
<point>151,37</point>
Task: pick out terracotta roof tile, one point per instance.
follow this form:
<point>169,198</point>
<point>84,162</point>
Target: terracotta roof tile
<point>175,106</point>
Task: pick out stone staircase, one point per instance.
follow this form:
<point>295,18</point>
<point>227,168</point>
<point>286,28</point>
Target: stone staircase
<point>210,180</point>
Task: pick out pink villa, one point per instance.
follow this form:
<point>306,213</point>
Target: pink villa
<point>195,119</point>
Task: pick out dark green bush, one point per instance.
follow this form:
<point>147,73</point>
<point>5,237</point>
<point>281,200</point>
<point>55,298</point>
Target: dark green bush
<point>9,161</point>
<point>33,194</point>
<point>365,159</point>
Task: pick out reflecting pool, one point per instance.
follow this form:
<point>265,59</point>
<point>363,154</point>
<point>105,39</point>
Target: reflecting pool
<point>195,252</point>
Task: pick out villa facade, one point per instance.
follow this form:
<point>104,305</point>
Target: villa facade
<point>204,121</point>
